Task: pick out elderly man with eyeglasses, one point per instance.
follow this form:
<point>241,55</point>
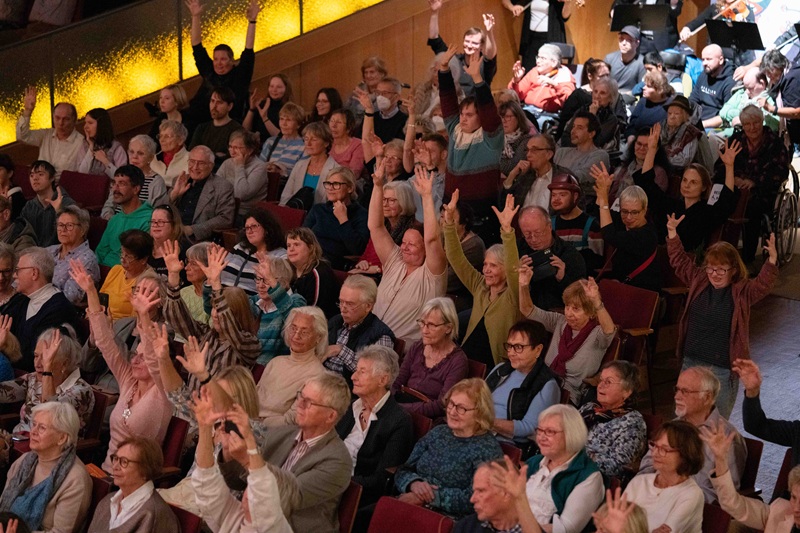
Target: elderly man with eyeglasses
<point>695,396</point>
<point>555,262</point>
<point>38,306</point>
<point>204,200</point>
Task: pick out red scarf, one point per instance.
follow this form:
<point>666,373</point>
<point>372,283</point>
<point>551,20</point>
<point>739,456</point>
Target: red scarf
<point>568,345</point>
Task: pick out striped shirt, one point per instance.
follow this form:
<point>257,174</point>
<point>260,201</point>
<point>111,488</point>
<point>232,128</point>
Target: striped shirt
<point>286,153</point>
<point>240,270</point>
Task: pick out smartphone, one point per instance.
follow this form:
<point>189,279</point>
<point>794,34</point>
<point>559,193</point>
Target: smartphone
<point>231,427</point>
<point>104,300</point>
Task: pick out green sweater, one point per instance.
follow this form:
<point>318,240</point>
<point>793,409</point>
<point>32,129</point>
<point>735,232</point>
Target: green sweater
<point>502,313</point>
<point>109,248</point>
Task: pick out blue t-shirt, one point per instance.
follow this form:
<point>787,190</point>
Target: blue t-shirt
<point>6,372</point>
<point>311,180</point>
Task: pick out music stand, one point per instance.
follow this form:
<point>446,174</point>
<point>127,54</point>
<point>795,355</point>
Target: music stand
<point>644,17</point>
<point>739,36</point>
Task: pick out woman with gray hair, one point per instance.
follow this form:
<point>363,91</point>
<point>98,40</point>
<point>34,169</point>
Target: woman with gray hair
<point>433,364</point>
<point>49,487</point>
<point>72,225</point>
<point>141,152</point>
<point>305,332</point>
<point>56,378</point>
<point>377,432</point>
<point>564,485</point>
<point>340,224</point>
<point>246,172</point>
<point>174,157</point>
<point>612,118</point>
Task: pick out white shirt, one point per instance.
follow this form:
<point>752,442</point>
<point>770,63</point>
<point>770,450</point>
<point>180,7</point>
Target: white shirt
<point>356,438</point>
<point>62,154</point>
<point>539,193</point>
<point>69,382</point>
<point>539,15</point>
<point>39,298</point>
<point>584,499</point>
<point>122,509</point>
<point>680,507</point>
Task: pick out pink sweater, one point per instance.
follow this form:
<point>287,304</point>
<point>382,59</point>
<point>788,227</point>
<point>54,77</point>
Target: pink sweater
<point>151,414</point>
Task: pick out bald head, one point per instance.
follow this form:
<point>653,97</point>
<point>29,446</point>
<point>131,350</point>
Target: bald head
<point>713,60</point>
<point>536,229</point>
<point>755,82</point>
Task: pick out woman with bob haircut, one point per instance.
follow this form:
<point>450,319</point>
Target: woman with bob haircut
<point>714,329</point>
<point>432,364</point>
<point>701,218</point>
<point>285,148</point>
<point>340,223</point>
<point>311,172</point>
<point>49,487</point>
<point>172,105</point>
<point>564,485</point>
<point>173,159</point>
<point>438,473</point>
<point>580,336</point>
<point>314,279</point>
<point>346,150</point>
<point>670,497</point>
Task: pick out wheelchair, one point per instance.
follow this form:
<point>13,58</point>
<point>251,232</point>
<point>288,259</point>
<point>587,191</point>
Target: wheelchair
<point>783,221</point>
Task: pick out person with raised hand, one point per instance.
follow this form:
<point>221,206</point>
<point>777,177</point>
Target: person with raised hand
<point>143,409</point>
<point>232,334</point>
<point>618,515</point>
<point>9,349</point>
<point>781,516</point>
<point>414,271</point>
<point>495,290</point>
<point>715,326</point>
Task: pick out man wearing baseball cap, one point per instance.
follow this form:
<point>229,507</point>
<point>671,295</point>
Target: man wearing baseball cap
<point>571,223</point>
<point>626,63</point>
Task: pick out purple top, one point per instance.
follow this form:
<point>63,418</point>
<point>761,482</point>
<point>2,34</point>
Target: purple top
<point>432,382</point>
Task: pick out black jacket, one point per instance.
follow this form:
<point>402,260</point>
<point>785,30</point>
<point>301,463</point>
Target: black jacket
<point>546,292</point>
<point>368,332</point>
<point>520,398</point>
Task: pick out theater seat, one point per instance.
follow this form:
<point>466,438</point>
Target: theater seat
<point>393,516</point>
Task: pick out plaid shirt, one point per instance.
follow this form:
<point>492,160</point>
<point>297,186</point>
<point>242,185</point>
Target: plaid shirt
<point>346,358</point>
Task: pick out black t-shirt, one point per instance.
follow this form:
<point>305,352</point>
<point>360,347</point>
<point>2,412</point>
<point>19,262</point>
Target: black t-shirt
<point>708,331</point>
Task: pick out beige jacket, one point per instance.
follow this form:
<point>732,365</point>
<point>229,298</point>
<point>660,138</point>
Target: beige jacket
<point>774,518</point>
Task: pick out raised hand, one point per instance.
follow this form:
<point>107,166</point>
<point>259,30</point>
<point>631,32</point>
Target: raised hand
<point>5,328</point>
<point>655,137</point>
<point>380,172</point>
<point>238,416</point>
<point>506,216</point>
<point>203,408</point>
<point>525,273</point>
<point>750,375</point>
<point>364,99</point>
<point>195,358</point>
<point>592,291</point>
<point>80,276</point>
<point>55,203</point>
<point>450,208</point>
<point>444,61</point>
<point>50,350</point>
<point>488,22</point>
<point>179,186</point>
<point>29,99</point>
<point>263,108</point>
<point>421,153</point>
<point>474,67</point>
<point>410,106</point>
<point>732,149</point>
<point>194,7</point>
<point>170,252</point>
<point>11,526</point>
<point>253,9</point>
<point>159,338</point>
<point>717,440</point>
<point>602,180</point>
<point>216,264</point>
<point>518,71</point>
<point>376,144</point>
<point>145,299</point>
<point>618,509</point>
<point>672,224</point>
<point>423,181</point>
<point>510,479</point>
<point>436,5</point>
<point>771,250</point>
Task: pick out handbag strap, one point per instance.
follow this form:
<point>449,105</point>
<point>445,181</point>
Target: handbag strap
<point>641,267</point>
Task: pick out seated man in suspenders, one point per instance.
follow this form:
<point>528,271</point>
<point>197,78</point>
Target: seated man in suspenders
<point>572,224</point>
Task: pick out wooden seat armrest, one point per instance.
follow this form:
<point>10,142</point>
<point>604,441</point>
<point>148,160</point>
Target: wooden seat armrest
<point>638,332</point>
<point>676,291</point>
<point>415,393</point>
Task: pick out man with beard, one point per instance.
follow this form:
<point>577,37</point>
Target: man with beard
<point>134,213</point>
<point>217,131</point>
<point>571,223</point>
<point>713,87</point>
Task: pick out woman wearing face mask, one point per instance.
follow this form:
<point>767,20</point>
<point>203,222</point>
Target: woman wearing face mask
<point>702,218</point>
<point>141,152</point>
<point>605,95</point>
<point>634,238</point>
<point>580,336</point>
<point>632,163</point>
<point>715,327</point>
<point>328,100</point>
<point>264,113</point>
<point>101,153</point>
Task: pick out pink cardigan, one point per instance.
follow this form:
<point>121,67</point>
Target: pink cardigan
<point>774,518</point>
<point>150,416</point>
<point>745,294</point>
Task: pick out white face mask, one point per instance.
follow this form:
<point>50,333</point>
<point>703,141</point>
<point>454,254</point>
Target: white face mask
<point>383,103</point>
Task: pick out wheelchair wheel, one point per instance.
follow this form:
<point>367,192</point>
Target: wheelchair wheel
<point>784,225</point>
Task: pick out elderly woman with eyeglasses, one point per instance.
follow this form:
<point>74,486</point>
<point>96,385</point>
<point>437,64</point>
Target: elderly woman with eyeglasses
<point>438,473</point>
<point>340,224</point>
<point>617,432</point>
<point>432,364</point>
<point>564,485</point>
<point>670,497</point>
<point>137,247</point>
<point>56,378</point>
<point>143,408</point>
<point>48,487</point>
<point>245,171</point>
<point>72,225</point>
<point>136,463</point>
<point>173,159</point>
<point>165,225</point>
<point>261,234</point>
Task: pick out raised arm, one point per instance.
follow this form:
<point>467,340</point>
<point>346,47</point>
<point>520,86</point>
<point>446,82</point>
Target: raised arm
<point>592,292</point>
<point>602,185</point>
<point>381,239</point>
<point>253,10</point>
<point>433,24</point>
<point>196,10</point>
<point>24,132</point>
<point>435,259</point>
<point>469,276</point>
<point>410,140</point>
<point>728,157</point>
<point>525,273</point>
<point>652,147</point>
<point>490,50</point>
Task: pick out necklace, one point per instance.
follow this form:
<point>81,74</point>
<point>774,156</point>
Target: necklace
<point>127,412</point>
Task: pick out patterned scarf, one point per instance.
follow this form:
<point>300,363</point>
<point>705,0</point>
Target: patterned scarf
<point>593,413</point>
<point>568,345</point>
<point>509,146</point>
<point>33,500</point>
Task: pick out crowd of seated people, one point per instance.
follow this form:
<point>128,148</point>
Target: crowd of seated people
<point>396,291</point>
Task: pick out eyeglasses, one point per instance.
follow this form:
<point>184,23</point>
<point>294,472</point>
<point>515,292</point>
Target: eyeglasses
<point>303,333</point>
<point>659,450</point>
<point>390,201</point>
<point>718,270</point>
<point>460,409</point>
<point>518,348</point>
<point>259,279</point>
<point>685,391</point>
<point>423,324</point>
<point>125,256</point>
<point>391,158</point>
<point>626,213</point>
<point>66,226</point>
<point>537,149</point>
<point>508,117</point>
<point>198,163</point>
<point>387,94</point>
<point>535,234</point>
<point>305,403</point>
<point>159,223</point>
<point>347,305</point>
<point>7,273</point>
<point>122,461</point>
<point>251,227</point>
<point>547,432</point>
<point>16,270</point>
<point>606,382</point>
<point>333,185</point>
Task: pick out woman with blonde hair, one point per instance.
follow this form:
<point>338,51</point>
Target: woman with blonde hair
<point>438,474</point>
<point>284,149</point>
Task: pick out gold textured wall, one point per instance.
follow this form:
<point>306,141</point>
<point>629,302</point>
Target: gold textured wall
<point>127,54</point>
